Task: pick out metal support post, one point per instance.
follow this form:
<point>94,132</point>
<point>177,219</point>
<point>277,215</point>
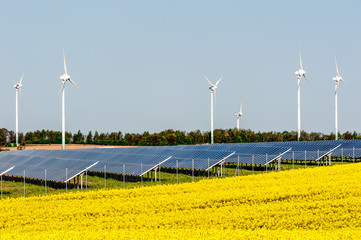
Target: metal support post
<point>305,157</point>
<point>24,183</point>
<point>123,175</point>
<point>266,160</point>
<point>141,176</point>
<point>45,181</point>
<point>279,164</point>
<point>318,156</point>
<point>86,180</point>
<point>293,160</point>
<point>159,175</point>
<point>208,167</point>
<point>253,163</point>
<point>155,174</point>
<point>224,169</point>
<point>177,169</point>
<point>66,180</point>
<point>342,155</point>
<point>81,181</point>
<point>237,168</point>
<point>192,170</point>
<point>105,177</point>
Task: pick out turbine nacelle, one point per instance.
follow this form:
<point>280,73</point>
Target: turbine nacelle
<point>65,77</point>
<point>301,73</point>
<point>338,79</point>
<point>238,114</point>
<point>213,88</point>
<point>18,86</point>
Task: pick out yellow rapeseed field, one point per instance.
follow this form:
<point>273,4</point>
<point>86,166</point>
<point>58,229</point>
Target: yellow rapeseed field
<point>314,203</point>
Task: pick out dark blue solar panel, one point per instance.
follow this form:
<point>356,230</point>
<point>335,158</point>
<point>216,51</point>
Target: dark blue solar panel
<point>186,158</point>
<point>35,166</point>
<point>348,148</point>
<point>314,149</point>
<point>244,152</point>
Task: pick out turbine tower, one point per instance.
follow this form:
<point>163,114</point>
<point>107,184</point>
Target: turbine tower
<point>17,86</point>
<point>65,77</point>
<point>213,89</point>
<point>336,80</point>
<point>300,73</point>
<point>239,115</point>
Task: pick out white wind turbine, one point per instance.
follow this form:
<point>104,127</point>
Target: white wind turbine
<point>17,86</point>
<point>336,80</point>
<point>300,73</point>
<point>239,115</point>
<point>65,77</point>
<point>213,88</point>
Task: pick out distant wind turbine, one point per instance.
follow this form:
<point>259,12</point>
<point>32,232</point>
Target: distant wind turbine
<point>239,115</point>
<point>213,89</point>
<point>65,77</point>
<point>17,86</point>
<point>336,80</point>
<point>300,73</point>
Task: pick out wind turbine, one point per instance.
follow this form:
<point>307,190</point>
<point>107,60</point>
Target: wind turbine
<point>336,80</point>
<point>17,86</point>
<point>239,115</point>
<point>300,73</point>
<point>213,89</point>
<point>65,77</point>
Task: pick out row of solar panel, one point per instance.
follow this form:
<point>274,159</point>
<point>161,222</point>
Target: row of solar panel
<point>140,160</point>
<point>130,161</point>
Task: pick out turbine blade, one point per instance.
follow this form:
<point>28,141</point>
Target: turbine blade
<point>14,81</point>
<point>61,88</point>
<point>66,71</point>
<point>208,81</point>
<point>219,80</point>
<point>21,79</point>
<point>338,74</point>
<point>240,109</point>
<point>306,78</point>
<point>73,83</point>
<point>301,65</point>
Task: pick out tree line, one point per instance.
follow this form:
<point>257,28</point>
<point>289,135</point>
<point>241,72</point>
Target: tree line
<point>165,138</point>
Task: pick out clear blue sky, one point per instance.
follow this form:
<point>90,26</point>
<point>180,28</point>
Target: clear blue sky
<point>139,64</point>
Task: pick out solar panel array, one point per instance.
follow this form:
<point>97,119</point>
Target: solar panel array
<point>244,152</point>
<point>140,160</point>
<point>58,169</point>
<point>348,148</point>
<point>135,162</point>
<point>308,150</point>
<point>167,157</point>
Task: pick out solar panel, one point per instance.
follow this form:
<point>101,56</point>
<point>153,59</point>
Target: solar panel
<point>348,148</point>
<point>58,169</point>
<point>140,160</point>
<point>186,158</point>
<point>314,149</point>
<point>244,152</point>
